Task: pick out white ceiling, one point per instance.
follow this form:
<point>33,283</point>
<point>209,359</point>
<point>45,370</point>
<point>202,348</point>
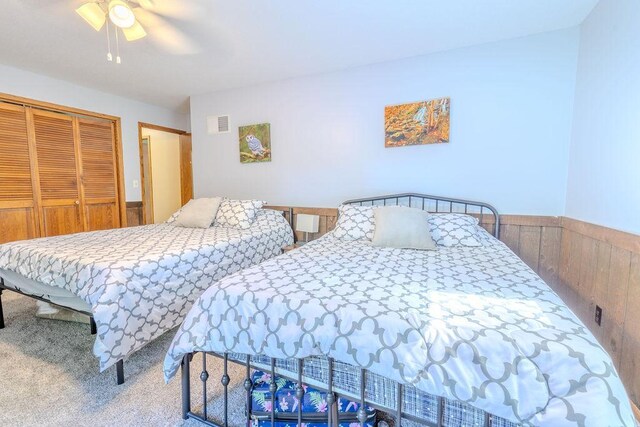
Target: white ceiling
<point>232,43</point>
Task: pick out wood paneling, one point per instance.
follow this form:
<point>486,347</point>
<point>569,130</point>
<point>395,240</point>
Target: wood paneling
<point>102,216</point>
<point>135,216</point>
<point>601,266</point>
<point>60,220</point>
<point>549,261</point>
<point>186,171</point>
<point>327,220</point>
<point>17,224</point>
<point>630,362</point>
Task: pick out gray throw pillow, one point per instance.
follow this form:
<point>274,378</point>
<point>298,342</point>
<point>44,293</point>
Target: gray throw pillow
<point>198,213</point>
<point>403,228</point>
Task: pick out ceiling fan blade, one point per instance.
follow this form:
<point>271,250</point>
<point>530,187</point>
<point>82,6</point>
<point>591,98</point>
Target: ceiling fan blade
<point>147,4</point>
<point>135,32</point>
<point>183,10</point>
<point>167,36</point>
<point>93,14</point>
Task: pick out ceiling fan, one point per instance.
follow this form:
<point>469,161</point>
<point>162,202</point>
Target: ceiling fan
<point>129,16</point>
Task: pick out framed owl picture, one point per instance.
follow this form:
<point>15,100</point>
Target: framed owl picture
<point>255,143</point>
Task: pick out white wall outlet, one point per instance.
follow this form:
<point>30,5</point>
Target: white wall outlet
<point>136,183</point>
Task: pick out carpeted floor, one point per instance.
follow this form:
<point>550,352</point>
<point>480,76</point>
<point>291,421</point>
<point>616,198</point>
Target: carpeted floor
<point>49,376</point>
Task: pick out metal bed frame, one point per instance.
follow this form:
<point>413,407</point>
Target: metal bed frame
<point>398,407</point>
<point>119,363</point>
<point>92,323</point>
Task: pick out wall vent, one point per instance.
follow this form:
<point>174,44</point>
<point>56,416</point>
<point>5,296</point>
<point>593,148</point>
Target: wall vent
<point>218,124</point>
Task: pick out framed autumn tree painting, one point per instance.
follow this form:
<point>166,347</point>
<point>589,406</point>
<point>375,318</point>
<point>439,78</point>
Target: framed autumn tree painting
<point>418,123</point>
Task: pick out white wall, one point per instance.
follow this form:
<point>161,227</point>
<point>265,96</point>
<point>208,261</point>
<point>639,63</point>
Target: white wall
<point>18,82</point>
<point>604,170</point>
<point>511,109</point>
<point>165,168</point>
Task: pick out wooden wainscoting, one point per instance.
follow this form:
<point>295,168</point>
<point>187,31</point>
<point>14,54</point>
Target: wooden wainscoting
<point>134,214</point>
<point>327,221</point>
<point>535,239</point>
<point>601,266</point>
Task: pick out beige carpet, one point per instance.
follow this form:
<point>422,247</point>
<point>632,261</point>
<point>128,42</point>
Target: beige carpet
<point>49,376</point>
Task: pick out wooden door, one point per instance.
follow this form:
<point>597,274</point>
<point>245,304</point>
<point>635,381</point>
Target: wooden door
<point>18,210</point>
<point>186,169</point>
<point>97,170</point>
<point>57,163</point>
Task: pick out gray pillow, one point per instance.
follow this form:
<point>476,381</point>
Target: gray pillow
<point>454,229</point>
<point>403,228</point>
<point>198,213</point>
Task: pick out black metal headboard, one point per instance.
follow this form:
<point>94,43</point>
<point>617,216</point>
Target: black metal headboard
<point>434,204</point>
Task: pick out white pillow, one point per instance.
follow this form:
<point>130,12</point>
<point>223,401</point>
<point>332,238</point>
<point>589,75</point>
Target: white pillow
<point>354,223</point>
<point>173,216</point>
<point>237,213</point>
<point>402,228</point>
<point>454,229</point>
<point>198,213</point>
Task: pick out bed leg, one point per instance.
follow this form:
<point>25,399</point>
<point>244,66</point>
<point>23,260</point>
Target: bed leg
<point>94,328</point>
<point>186,386</point>
<point>1,312</point>
<point>120,372</point>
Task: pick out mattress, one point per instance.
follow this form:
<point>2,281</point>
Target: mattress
<point>474,325</point>
<point>140,281</point>
<point>58,296</point>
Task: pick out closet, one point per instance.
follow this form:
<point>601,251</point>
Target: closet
<point>60,171</point>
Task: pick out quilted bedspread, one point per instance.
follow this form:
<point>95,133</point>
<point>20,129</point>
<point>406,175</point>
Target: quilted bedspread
<point>472,324</point>
<point>141,281</point>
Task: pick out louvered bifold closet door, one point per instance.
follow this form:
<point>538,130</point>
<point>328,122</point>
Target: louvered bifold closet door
<point>18,213</point>
<point>98,174</point>
<point>57,163</point>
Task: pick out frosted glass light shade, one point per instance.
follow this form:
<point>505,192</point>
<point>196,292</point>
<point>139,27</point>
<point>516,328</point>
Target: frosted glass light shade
<point>93,14</point>
<point>121,14</point>
<point>307,223</point>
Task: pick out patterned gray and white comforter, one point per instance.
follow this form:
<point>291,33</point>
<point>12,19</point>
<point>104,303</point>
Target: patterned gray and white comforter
<point>471,324</point>
<point>141,281</point>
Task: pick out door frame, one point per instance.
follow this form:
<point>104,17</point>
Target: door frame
<point>144,125</point>
<point>144,214</point>
<point>79,112</point>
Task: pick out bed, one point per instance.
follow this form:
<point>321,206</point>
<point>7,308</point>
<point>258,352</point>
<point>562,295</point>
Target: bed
<point>136,283</point>
<point>460,336</point>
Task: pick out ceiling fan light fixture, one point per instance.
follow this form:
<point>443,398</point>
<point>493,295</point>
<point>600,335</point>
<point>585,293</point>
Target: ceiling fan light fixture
<point>93,14</point>
<point>121,14</point>
<point>134,32</point>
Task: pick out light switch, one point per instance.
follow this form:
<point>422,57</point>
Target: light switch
<point>136,183</point>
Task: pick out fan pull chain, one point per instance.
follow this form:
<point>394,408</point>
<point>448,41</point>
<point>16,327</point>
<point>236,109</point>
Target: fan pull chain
<point>118,61</point>
<point>109,55</point>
